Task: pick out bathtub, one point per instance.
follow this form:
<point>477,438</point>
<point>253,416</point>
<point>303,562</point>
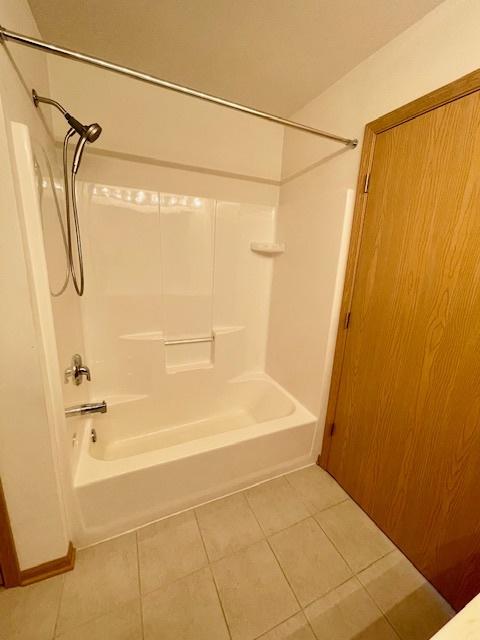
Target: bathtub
<point>154,457</point>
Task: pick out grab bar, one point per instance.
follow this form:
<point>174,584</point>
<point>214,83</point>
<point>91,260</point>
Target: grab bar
<point>189,340</point>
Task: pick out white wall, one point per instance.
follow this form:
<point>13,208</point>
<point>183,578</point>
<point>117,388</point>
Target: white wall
<point>441,47</point>
<point>146,121</point>
<point>28,447</point>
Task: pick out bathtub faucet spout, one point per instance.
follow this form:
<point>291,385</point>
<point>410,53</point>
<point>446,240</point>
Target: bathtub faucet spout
<point>84,409</point>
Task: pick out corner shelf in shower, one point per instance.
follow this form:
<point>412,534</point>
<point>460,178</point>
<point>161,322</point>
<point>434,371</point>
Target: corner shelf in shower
<point>268,248</point>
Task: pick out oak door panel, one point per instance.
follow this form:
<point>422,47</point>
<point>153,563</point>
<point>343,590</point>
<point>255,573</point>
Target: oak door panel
<point>407,438</point>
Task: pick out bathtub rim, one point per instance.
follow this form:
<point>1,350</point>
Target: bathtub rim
<point>91,470</point>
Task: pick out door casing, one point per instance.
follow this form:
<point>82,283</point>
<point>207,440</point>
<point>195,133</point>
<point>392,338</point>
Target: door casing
<point>9,567</point>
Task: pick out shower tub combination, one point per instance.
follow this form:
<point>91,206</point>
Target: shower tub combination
<point>156,453</point>
<point>153,459</point>
<point>182,434</point>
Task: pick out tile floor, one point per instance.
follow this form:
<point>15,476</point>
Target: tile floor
<point>291,559</point>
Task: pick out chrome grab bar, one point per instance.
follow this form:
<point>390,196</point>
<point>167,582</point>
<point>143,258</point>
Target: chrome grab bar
<point>189,340</point>
<point>85,409</point>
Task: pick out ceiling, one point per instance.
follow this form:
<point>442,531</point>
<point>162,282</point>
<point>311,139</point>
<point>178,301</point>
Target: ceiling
<point>274,55</point>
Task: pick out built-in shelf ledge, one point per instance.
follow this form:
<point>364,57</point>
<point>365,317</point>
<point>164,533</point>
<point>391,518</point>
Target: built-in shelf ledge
<point>115,400</point>
<point>158,336</point>
<point>147,336</point>
<point>268,248</point>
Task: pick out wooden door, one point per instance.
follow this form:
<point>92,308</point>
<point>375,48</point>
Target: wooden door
<point>406,444</point>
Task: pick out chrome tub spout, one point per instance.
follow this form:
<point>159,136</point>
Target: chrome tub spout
<point>84,409</point>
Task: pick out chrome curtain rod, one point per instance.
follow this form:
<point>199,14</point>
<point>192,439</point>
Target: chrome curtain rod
<point>5,34</point>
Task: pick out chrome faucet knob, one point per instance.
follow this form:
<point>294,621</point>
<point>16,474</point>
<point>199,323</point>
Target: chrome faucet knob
<point>77,371</point>
<point>84,371</point>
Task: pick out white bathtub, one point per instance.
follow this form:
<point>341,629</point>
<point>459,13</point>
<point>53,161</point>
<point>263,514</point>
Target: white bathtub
<point>152,459</point>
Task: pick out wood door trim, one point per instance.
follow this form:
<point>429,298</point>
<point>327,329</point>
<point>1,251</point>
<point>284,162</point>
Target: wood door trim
<point>453,91</point>
<point>50,568</point>
<point>12,575</point>
<point>8,554</point>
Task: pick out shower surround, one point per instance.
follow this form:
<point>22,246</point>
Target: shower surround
<point>174,328</point>
<point>187,421</point>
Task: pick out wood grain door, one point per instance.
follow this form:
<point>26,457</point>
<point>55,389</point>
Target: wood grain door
<point>407,417</point>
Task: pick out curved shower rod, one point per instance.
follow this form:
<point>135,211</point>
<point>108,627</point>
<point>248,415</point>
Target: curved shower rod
<point>6,34</point>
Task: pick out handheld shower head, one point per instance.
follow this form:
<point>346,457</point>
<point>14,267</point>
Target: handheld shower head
<point>90,133</point>
<point>93,131</point>
<point>87,133</point>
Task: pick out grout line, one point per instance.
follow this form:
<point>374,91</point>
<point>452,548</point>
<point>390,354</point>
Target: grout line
<point>306,502</point>
<point>330,506</point>
<point>142,624</point>
<point>201,535</point>
<point>354,573</point>
<point>335,546</point>
<point>58,607</point>
<point>220,601</point>
<point>265,539</point>
<point>284,575</point>
<point>212,574</point>
<point>238,549</point>
<point>283,622</point>
<point>375,603</point>
<point>310,602</point>
<point>375,561</point>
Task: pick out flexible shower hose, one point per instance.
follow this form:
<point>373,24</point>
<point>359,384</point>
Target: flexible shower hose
<point>78,282</point>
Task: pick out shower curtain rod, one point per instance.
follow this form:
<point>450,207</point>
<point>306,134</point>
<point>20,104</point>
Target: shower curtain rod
<point>6,34</point>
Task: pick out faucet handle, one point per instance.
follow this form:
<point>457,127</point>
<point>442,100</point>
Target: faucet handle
<point>84,371</point>
<point>77,371</point>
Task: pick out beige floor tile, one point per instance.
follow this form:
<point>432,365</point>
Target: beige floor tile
<point>317,488</point>
<point>357,537</point>
<point>105,576</point>
<point>123,623</point>
<point>227,525</point>
<point>296,628</point>
<point>410,603</point>
<point>311,563</point>
<point>187,609</point>
<point>348,613</point>
<point>168,550</point>
<point>253,591</point>
<point>30,613</point>
<point>276,504</point>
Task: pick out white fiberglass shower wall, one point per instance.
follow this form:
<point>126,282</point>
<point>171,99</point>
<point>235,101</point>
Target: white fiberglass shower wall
<point>165,269</point>
<point>175,318</point>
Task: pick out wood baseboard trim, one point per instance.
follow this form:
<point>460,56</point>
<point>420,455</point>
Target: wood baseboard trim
<point>49,569</point>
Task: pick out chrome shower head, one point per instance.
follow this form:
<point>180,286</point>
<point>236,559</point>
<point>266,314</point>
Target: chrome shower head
<point>87,132</point>
<point>90,132</point>
<point>93,132</point>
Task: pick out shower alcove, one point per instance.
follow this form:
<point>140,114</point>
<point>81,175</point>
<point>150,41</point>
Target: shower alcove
<point>174,327</point>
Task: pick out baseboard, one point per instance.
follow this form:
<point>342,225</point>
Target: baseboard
<point>49,569</point>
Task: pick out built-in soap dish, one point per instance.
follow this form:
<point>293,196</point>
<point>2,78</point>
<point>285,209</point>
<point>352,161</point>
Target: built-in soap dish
<point>268,248</point>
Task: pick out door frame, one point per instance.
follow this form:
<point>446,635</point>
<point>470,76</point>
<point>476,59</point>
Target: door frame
<point>9,566</point>
<point>455,90</point>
